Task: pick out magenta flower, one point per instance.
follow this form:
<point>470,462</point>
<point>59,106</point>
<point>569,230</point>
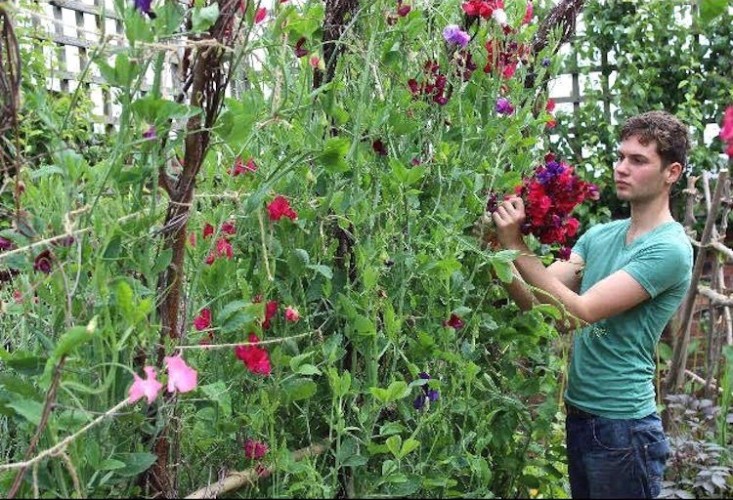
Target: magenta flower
<point>43,262</point>
<point>454,35</point>
<point>254,449</point>
<point>181,377</point>
<point>504,107</point>
<point>148,387</point>
<point>203,320</point>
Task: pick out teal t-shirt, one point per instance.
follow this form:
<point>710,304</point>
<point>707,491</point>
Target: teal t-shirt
<point>612,367</point>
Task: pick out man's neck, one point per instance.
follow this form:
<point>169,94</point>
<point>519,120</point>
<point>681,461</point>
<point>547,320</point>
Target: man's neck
<point>645,216</point>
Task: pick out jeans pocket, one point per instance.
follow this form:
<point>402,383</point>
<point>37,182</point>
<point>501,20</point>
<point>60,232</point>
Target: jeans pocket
<point>653,448</point>
<point>611,435</point>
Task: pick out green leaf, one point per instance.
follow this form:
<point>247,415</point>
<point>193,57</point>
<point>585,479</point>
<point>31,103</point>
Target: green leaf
<point>135,463</point>
<point>204,18</point>
<point>334,154</point>
<point>162,261</point>
<point>218,393</point>
<point>238,321</point>
<point>300,388</point>
<point>111,464</point>
<point>710,9</point>
<point>112,250</point>
<point>323,270</point>
<point>503,270</point>
<point>409,446</point>
<point>28,409</point>
<point>394,444</point>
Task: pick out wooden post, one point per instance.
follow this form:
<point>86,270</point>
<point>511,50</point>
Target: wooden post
<point>675,377</point>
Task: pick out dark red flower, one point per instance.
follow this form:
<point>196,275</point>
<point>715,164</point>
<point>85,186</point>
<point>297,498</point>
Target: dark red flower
<point>208,230</point>
<point>379,147</point>
<point>43,262</point>
<point>299,50</point>
<point>228,228</point>
<point>454,321</point>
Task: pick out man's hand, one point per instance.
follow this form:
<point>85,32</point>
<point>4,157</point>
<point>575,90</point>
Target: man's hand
<point>508,219</point>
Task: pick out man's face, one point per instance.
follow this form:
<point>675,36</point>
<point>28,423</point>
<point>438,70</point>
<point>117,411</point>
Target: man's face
<point>638,172</point>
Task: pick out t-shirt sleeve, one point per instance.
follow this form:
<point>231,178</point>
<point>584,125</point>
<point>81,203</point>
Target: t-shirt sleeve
<point>581,246</point>
<point>659,267</point>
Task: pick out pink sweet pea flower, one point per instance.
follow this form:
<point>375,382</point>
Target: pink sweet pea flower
<point>291,314</point>
<point>148,387</point>
<point>529,13</point>
<point>181,377</point>
<point>726,133</point>
<point>455,322</point>
<point>260,15</point>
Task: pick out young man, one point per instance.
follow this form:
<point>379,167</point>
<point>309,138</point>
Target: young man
<point>623,282</point>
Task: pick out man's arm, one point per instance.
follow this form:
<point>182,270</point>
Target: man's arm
<point>568,272</point>
<point>613,295</point>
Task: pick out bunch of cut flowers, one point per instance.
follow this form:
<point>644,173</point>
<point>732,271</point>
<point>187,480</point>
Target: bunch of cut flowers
<point>550,195</point>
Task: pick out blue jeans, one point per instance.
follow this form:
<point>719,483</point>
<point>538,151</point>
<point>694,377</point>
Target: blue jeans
<point>615,458</point>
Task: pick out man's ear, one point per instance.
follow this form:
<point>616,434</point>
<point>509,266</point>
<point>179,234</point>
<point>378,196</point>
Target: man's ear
<point>673,171</point>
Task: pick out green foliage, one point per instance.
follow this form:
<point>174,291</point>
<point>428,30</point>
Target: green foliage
<point>378,259</point>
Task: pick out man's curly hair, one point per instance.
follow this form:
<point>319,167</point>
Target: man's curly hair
<point>666,130</point>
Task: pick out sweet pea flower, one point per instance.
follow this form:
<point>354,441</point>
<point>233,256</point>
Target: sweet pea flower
<point>291,314</point>
<point>528,13</point>
<point>256,359</point>
<point>279,208</point>
<point>454,35</point>
<point>208,230</point>
<point>203,320</point>
<point>181,377</point>
<point>454,322</point>
<point>504,106</point>
<point>260,15</point>
<point>148,387</point>
<point>726,132</point>
<point>254,449</point>
<point>43,263</point>
<point>499,15</point>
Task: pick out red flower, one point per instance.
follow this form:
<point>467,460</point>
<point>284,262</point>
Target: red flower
<point>228,228</point>
<point>242,168</point>
<point>454,322</point>
<point>255,358</point>
<point>254,449</point>
<point>483,8</point>
<point>270,312</point>
<point>192,239</point>
<point>203,320</point>
<point>279,208</point>
<point>222,249</point>
<point>208,230</point>
<point>260,15</point>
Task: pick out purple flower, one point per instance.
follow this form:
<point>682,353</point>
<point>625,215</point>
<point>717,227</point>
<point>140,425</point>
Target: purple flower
<point>144,7</point>
<point>150,133</point>
<point>546,62</point>
<point>564,253</point>
<point>424,376</point>
<point>42,262</point>
<point>454,35</point>
<point>433,395</point>
<point>419,402</point>
<point>5,244</point>
<point>504,107</point>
